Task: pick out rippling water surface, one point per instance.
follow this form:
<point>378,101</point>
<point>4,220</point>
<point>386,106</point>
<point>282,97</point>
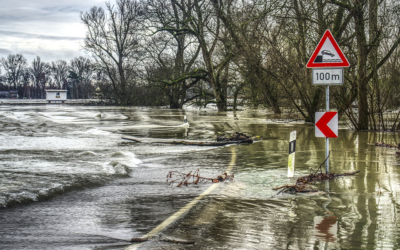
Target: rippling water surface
<point>68,181</point>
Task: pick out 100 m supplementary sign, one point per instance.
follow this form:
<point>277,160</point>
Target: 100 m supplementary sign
<point>327,76</point>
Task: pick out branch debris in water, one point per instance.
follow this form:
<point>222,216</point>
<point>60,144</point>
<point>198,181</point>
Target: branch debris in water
<point>184,179</point>
<point>165,240</point>
<point>238,137</point>
<point>301,185</point>
<point>387,145</point>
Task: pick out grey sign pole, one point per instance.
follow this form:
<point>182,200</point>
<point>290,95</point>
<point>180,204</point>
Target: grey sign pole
<point>327,138</point>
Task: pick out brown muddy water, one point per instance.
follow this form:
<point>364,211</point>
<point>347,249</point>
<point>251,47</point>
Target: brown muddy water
<point>68,181</point>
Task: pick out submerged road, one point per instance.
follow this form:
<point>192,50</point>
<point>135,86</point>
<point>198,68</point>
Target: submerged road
<point>68,182</point>
<point>186,208</point>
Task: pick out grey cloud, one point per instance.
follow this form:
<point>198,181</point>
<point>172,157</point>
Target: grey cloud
<point>5,51</point>
<point>64,9</point>
<point>47,56</point>
<point>28,35</point>
<point>44,10</point>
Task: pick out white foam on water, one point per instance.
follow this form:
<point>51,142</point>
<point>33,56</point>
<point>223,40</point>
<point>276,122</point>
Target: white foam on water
<point>87,153</point>
<point>107,116</point>
<point>186,125</point>
<point>127,158</point>
<point>95,131</point>
<point>115,168</point>
<point>14,115</point>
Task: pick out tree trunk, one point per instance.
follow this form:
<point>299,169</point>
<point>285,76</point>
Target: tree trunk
<point>373,60</point>
<point>362,51</point>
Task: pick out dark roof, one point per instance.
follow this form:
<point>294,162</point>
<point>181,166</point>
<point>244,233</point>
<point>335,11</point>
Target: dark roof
<point>56,90</point>
<point>4,93</point>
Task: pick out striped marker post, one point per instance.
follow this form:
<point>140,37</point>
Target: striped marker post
<point>292,149</point>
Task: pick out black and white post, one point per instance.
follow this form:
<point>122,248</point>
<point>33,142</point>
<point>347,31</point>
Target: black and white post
<point>292,149</point>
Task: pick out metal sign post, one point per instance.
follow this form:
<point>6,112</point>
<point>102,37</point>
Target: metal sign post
<point>329,60</point>
<point>327,138</point>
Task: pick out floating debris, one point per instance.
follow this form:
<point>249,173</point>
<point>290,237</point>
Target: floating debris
<point>237,136</point>
<point>387,145</point>
<point>301,185</point>
<point>194,178</point>
<point>164,240</point>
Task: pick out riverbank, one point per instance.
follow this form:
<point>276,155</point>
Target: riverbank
<point>89,102</point>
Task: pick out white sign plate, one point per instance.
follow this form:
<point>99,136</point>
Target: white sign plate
<point>292,136</point>
<point>327,76</point>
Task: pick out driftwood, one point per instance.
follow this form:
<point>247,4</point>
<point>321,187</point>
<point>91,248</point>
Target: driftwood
<point>220,142</point>
<point>130,139</point>
<point>297,188</point>
<point>165,240</point>
<point>301,185</point>
<point>386,145</point>
<point>184,179</point>
<point>237,137</point>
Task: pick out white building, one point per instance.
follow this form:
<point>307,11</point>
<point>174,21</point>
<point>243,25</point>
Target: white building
<point>56,95</point>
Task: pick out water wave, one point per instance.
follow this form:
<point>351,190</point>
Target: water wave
<point>40,187</point>
<point>126,158</point>
<point>87,153</point>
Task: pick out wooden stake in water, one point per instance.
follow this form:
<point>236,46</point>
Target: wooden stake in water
<point>292,149</point>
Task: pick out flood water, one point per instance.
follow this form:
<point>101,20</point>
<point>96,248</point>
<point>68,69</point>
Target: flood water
<point>68,181</point>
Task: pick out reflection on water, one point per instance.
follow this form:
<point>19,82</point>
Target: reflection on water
<point>326,227</point>
<point>86,188</point>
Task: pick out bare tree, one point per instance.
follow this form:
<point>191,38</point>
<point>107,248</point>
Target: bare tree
<point>247,23</point>
<point>203,24</point>
<point>80,74</point>
<point>14,66</point>
<point>368,63</point>
<point>59,71</point>
<point>112,39</point>
<point>174,54</point>
<point>38,71</point>
<point>26,78</point>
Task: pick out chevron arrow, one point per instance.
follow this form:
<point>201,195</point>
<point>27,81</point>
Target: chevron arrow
<point>324,125</point>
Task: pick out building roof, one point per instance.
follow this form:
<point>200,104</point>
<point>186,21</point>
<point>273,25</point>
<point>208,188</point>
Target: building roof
<point>56,90</point>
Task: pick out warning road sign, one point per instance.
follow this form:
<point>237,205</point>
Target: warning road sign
<point>327,54</point>
<point>326,124</point>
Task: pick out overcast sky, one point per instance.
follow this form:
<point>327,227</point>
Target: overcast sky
<point>50,29</point>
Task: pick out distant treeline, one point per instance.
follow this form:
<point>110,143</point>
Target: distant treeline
<point>81,77</point>
<point>174,52</point>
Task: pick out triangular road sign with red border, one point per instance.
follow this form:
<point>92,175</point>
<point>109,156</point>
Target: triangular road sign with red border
<point>327,54</point>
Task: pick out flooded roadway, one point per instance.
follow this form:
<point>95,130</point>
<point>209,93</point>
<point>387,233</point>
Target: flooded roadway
<point>68,181</point>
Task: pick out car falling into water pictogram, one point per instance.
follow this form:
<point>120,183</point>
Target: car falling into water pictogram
<point>327,52</point>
